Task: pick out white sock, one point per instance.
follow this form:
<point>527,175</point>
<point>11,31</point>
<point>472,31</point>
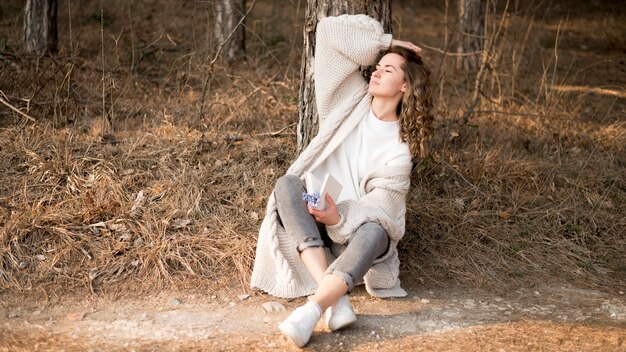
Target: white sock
<point>317,307</point>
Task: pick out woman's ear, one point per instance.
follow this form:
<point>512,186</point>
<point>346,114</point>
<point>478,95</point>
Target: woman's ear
<point>403,88</point>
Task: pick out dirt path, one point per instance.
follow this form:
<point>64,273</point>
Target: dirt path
<point>549,318</point>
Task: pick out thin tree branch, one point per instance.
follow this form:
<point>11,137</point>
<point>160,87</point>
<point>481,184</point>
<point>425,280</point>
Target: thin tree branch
<point>217,54</point>
<point>276,133</point>
<point>445,53</point>
<point>507,113</point>
<point>16,109</point>
<point>449,167</point>
<point>483,66</point>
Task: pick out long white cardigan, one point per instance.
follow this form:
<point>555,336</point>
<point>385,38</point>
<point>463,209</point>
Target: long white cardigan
<point>343,44</point>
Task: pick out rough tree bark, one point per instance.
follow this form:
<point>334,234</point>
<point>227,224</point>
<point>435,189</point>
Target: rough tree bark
<point>472,27</point>
<point>307,110</point>
<point>228,13</point>
<point>40,27</point>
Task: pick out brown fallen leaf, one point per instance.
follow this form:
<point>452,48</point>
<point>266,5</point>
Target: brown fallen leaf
<point>504,214</point>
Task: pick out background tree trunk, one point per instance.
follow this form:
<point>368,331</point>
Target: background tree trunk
<point>228,13</point>
<point>472,27</point>
<point>307,110</point>
<point>40,27</point>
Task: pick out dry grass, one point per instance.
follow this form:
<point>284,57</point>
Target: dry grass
<point>142,192</point>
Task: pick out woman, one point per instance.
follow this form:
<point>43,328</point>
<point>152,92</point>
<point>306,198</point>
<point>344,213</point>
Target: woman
<point>367,137</point>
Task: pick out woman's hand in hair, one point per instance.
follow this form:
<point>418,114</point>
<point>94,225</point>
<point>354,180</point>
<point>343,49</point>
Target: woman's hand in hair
<point>329,216</point>
<point>407,45</point>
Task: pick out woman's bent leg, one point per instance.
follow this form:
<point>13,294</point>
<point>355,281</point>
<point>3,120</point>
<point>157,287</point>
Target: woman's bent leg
<point>369,242</point>
<point>330,289</point>
<point>305,232</point>
<point>299,224</point>
<point>293,213</point>
<point>314,259</point>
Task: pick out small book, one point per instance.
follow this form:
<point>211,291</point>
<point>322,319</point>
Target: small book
<point>316,190</point>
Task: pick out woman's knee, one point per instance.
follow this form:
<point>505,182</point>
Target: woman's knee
<point>375,236</point>
<point>287,184</point>
<point>374,231</point>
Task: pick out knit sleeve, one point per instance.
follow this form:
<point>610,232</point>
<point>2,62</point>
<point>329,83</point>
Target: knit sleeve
<point>343,45</point>
<point>383,202</point>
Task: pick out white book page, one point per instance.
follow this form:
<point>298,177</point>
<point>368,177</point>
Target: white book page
<point>312,183</point>
<point>331,187</point>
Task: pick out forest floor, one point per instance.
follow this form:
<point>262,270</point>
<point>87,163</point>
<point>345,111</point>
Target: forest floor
<point>548,318</point>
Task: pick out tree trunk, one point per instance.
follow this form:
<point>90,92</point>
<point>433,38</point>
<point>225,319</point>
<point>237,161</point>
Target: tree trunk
<point>472,26</point>
<point>228,32</point>
<point>40,27</point>
<point>307,110</point>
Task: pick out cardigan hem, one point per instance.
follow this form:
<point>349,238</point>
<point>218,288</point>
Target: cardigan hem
<point>271,287</point>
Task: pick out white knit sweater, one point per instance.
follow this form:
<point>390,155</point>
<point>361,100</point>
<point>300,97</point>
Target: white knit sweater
<point>343,45</point>
<point>372,144</point>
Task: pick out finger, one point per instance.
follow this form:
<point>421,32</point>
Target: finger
<point>416,48</point>
<point>318,215</point>
<point>330,201</point>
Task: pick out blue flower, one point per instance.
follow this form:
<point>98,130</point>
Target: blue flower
<point>312,199</point>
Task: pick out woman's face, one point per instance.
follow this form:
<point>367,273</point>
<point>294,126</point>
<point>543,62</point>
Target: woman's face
<point>388,78</point>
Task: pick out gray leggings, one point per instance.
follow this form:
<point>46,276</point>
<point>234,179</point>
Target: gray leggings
<point>354,259</point>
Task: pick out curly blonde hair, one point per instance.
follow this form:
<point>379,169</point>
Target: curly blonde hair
<point>415,119</point>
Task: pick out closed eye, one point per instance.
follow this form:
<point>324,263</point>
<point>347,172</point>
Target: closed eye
<point>387,68</point>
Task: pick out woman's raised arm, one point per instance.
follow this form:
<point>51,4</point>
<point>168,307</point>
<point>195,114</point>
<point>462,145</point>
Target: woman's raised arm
<point>343,45</point>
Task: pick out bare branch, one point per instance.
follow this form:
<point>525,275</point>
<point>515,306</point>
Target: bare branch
<point>216,56</point>
<point>16,109</point>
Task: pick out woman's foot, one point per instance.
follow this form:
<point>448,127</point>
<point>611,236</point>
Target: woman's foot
<point>340,315</point>
<point>299,325</point>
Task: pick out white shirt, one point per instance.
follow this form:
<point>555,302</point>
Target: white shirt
<point>372,144</point>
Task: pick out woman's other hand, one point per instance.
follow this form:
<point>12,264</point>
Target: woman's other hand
<point>329,216</point>
<point>407,45</point>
